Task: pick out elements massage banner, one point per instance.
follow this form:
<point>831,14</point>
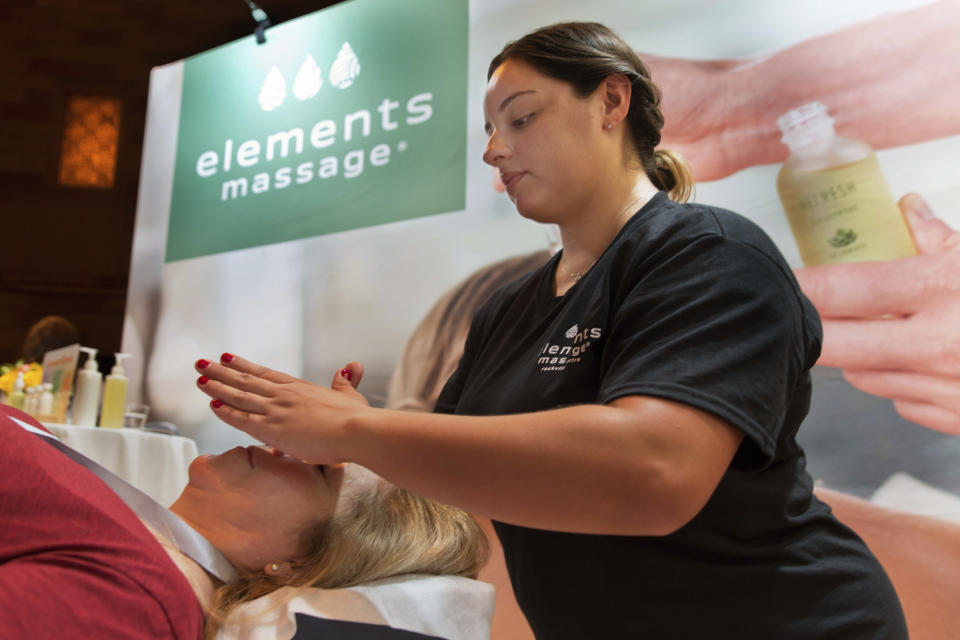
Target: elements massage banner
<point>346,118</point>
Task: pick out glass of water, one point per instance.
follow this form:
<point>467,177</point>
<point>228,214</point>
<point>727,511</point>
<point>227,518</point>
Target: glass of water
<point>135,415</point>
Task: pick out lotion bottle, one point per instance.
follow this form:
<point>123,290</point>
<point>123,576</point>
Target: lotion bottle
<point>837,201</point>
<point>114,395</point>
<point>45,409</point>
<point>17,398</point>
<point>86,398</point>
<point>31,400</point>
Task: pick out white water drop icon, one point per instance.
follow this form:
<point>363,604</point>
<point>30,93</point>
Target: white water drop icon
<point>345,68</point>
<point>309,79</point>
<point>274,90</point>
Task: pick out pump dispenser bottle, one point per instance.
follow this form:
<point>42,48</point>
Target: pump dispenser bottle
<point>838,204</point>
<point>114,395</point>
<point>17,398</point>
<point>86,399</point>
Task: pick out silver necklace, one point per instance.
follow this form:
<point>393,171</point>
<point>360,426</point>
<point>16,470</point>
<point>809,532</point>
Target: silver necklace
<point>631,207</point>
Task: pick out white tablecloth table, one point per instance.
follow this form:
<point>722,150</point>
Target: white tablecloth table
<point>155,463</point>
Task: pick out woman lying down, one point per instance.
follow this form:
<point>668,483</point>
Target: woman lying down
<point>77,562</point>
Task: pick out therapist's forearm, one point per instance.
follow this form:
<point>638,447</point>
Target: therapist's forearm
<point>889,81</point>
<point>587,468</point>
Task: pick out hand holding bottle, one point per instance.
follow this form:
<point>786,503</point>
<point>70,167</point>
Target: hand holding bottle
<point>837,201</point>
<point>721,114</point>
<point>894,326</point>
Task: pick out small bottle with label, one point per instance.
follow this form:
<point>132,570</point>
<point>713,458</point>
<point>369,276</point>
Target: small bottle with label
<point>31,401</point>
<point>45,405</point>
<point>114,395</point>
<point>17,397</point>
<point>837,201</point>
<point>86,398</point>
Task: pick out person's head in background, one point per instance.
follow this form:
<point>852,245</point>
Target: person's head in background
<point>47,334</point>
<point>436,344</point>
<point>554,109</point>
<point>282,522</point>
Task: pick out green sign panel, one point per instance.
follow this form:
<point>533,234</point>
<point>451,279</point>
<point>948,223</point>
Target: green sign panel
<point>349,117</point>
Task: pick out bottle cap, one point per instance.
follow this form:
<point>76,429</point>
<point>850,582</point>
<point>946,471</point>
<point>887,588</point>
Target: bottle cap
<point>91,358</point>
<point>118,367</point>
<point>805,124</point>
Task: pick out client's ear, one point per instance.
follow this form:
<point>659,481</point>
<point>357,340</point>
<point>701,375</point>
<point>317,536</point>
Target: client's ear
<point>282,572</point>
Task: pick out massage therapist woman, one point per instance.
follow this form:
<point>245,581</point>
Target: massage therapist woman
<point>627,413</point>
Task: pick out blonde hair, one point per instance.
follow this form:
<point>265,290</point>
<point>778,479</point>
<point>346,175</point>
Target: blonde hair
<point>383,533</point>
<point>583,54</point>
<point>436,345</point>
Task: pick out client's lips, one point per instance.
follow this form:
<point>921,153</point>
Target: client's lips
<point>511,178</point>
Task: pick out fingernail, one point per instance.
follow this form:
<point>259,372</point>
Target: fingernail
<point>226,357</point>
<point>202,364</point>
<point>202,380</point>
<point>346,373</point>
<point>216,404</point>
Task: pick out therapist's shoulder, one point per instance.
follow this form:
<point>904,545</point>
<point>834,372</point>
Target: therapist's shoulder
<point>757,264</point>
<point>696,228</point>
<point>690,221</point>
<point>738,230</point>
<point>693,236</point>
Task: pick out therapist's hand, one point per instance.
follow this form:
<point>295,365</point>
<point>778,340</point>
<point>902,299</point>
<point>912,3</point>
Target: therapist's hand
<point>894,326</point>
<point>300,418</point>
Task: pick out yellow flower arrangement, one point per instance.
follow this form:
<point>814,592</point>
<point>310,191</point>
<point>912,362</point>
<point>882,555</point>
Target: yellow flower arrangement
<point>32,375</point>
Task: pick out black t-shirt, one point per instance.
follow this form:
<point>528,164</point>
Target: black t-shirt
<point>693,304</point>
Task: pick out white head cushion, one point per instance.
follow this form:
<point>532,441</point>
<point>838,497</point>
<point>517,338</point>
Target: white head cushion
<point>448,607</point>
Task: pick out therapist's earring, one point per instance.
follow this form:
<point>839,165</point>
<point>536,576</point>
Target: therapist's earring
<point>609,126</point>
<point>275,567</point>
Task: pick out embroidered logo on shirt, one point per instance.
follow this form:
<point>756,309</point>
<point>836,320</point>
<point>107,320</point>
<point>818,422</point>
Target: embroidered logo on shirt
<point>556,357</point>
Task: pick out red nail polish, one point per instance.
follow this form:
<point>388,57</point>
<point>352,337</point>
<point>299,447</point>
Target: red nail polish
<point>346,374</point>
<point>202,380</point>
<point>216,404</point>
<point>202,364</point>
<point>226,357</point>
